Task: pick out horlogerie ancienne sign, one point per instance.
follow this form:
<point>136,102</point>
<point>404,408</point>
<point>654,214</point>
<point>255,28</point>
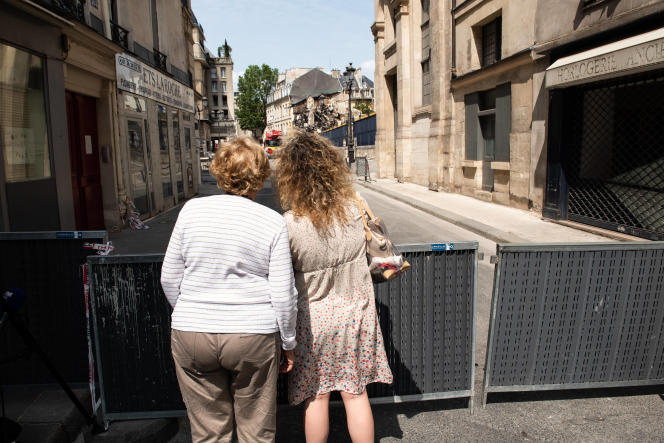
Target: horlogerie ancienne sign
<point>138,78</point>
<point>635,54</point>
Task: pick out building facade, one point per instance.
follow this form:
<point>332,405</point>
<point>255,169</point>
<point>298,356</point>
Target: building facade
<point>158,158</point>
<point>221,99</point>
<point>467,102</point>
<point>57,89</point>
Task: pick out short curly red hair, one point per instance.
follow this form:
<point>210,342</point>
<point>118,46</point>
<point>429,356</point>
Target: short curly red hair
<point>240,166</point>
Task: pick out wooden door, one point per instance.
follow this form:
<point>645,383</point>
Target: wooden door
<point>84,160</point>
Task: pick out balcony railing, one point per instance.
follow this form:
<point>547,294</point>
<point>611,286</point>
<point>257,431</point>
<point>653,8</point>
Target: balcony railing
<point>67,8</point>
<point>160,60</point>
<point>120,35</point>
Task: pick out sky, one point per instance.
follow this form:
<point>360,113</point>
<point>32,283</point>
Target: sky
<point>290,33</point>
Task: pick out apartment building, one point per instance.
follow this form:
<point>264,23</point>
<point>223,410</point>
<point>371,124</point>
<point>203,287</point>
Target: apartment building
<point>221,99</point>
<point>495,99</point>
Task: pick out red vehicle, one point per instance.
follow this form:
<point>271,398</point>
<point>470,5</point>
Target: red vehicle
<point>271,142</point>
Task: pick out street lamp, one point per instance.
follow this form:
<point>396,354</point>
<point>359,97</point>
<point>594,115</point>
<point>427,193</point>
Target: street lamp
<point>350,74</point>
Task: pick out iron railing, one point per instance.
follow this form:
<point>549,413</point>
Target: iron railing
<point>160,60</point>
<point>120,35</point>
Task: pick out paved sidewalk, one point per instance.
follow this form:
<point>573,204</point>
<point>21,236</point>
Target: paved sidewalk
<point>498,223</point>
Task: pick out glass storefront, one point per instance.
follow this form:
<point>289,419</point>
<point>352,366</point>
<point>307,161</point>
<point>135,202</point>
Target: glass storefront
<point>162,119</point>
<point>178,153</point>
<point>138,170</point>
<point>189,159</point>
<point>23,123</point>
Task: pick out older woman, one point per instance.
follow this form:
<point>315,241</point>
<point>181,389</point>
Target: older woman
<point>340,343</point>
<point>227,273</point>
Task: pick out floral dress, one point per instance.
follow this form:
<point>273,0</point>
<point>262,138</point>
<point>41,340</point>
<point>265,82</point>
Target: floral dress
<point>340,345</point>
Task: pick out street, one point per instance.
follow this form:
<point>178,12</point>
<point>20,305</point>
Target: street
<point>560,415</point>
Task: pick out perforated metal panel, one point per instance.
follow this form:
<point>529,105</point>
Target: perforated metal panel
<point>47,266</point>
<point>581,315</point>
<point>427,319</point>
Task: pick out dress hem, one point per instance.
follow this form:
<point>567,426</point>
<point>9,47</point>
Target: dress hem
<point>338,388</point>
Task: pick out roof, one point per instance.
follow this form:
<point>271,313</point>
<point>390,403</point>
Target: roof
<point>313,83</point>
<point>366,82</point>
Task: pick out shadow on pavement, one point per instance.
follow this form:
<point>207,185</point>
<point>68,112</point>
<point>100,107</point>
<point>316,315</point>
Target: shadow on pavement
<point>573,394</point>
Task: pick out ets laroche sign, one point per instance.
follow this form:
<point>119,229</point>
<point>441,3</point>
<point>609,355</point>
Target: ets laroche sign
<point>140,79</point>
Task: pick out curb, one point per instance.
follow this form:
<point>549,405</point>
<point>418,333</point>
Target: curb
<point>493,234</point>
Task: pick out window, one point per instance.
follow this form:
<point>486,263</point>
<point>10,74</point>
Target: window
<point>215,100</point>
<point>491,42</point>
<point>488,124</point>
<point>162,120</point>
<point>223,86</point>
<point>224,100</point>
<point>213,73</point>
<point>223,72</point>
<point>214,86</point>
<point>426,55</point>
<point>134,103</point>
<point>23,130</point>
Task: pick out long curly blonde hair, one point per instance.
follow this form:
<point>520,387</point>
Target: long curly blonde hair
<point>313,180</point>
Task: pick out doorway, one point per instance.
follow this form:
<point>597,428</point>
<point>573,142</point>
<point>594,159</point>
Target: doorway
<point>84,161</point>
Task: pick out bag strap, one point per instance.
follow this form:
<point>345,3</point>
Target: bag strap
<point>364,212</point>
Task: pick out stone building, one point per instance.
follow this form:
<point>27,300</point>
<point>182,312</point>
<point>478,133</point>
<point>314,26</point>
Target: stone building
<point>305,97</point>
<point>200,72</point>
<point>463,106</point>
<point>221,99</point>
<point>158,161</point>
<point>58,116</point>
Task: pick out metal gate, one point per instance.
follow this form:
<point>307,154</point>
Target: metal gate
<point>613,154</point>
<point>569,316</point>
<point>427,317</point>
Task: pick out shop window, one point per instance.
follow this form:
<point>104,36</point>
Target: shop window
<point>134,103</point>
<point>162,119</point>
<point>491,42</point>
<point>488,124</point>
<point>23,128</point>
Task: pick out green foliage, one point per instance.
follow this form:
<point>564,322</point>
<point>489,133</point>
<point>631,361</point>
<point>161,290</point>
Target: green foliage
<point>253,90</point>
<point>364,108</point>
<point>227,49</point>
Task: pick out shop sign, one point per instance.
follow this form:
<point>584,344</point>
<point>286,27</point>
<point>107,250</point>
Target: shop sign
<point>634,58</point>
<point>140,79</point>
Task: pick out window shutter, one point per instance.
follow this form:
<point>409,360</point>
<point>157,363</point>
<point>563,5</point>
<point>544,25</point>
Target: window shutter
<point>472,107</point>
<point>503,121</point>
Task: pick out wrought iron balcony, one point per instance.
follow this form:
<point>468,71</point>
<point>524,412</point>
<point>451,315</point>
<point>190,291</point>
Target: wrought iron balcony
<point>72,9</point>
<point>160,60</point>
<point>120,35</point>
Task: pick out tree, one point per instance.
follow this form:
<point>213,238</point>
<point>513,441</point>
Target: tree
<point>225,49</point>
<point>253,90</point>
<point>364,108</point>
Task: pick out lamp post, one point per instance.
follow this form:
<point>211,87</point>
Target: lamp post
<point>350,74</point>
<point>201,108</point>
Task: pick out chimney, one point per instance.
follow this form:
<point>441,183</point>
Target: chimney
<point>335,73</point>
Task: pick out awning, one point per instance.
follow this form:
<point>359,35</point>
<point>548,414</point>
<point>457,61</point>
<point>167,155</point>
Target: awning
<point>631,55</point>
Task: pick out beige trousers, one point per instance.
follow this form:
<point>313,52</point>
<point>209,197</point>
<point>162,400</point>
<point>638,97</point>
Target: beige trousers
<point>225,378</point>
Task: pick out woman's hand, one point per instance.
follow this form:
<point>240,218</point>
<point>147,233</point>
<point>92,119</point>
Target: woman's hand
<point>287,361</point>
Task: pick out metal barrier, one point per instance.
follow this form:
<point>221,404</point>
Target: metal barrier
<point>570,316</point>
<point>427,318</point>
<point>47,266</point>
<point>362,167</point>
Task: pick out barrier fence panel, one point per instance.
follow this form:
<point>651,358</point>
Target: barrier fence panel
<point>427,318</point>
<point>569,316</point>
<point>47,266</point>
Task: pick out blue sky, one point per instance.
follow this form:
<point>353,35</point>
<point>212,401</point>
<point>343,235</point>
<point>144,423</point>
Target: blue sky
<point>290,33</point>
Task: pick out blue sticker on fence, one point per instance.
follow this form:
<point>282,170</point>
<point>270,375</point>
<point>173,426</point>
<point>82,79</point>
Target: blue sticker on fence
<point>442,246</point>
<point>69,234</point>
